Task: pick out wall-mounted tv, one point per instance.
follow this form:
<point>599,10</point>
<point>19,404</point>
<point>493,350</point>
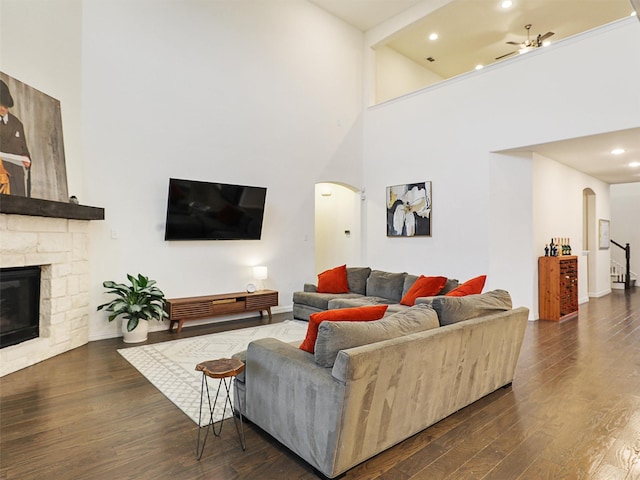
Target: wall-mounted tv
<point>214,211</point>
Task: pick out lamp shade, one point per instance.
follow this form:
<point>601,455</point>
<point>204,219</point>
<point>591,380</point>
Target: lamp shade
<point>260,273</point>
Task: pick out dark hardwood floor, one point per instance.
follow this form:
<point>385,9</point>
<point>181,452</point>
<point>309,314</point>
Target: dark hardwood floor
<point>573,412</point>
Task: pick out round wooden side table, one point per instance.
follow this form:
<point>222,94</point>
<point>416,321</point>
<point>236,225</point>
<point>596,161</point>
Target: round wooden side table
<point>224,369</point>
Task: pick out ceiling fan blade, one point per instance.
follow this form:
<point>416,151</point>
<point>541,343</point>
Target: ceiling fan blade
<point>517,44</point>
<point>506,55</point>
<point>545,36</point>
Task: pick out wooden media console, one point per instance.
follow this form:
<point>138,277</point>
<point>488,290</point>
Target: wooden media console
<point>181,310</point>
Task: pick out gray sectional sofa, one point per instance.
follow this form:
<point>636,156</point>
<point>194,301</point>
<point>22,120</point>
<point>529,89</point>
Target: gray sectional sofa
<point>371,385</point>
<point>366,287</point>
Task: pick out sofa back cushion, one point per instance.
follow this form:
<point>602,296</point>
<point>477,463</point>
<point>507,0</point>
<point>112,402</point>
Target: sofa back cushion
<point>357,279</point>
<point>409,280</point>
<point>457,309</point>
<point>357,314</point>
<point>386,285</point>
<point>451,284</point>
<point>336,336</point>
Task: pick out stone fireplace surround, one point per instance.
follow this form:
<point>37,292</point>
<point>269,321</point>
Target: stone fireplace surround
<point>55,236</point>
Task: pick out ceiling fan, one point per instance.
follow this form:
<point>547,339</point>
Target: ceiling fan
<point>528,44</point>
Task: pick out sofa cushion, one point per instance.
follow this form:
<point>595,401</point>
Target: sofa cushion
<point>333,280</point>
<point>470,287</point>
<point>450,285</point>
<point>358,314</point>
<point>423,287</point>
<point>360,301</point>
<point>336,336</point>
<point>357,279</point>
<point>395,308</point>
<point>319,300</point>
<point>457,309</point>
<point>386,285</point>
<point>409,280</point>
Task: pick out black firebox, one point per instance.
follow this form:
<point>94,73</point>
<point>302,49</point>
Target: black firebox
<point>19,305</point>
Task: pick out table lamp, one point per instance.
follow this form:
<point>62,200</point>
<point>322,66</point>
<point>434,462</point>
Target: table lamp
<point>260,273</point>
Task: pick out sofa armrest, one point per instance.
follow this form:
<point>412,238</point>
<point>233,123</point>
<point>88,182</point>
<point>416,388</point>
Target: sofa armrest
<point>310,287</point>
<point>294,399</point>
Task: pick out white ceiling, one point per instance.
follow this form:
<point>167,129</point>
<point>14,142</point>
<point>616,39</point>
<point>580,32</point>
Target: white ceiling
<point>474,32</point>
<point>592,155</point>
<point>365,14</point>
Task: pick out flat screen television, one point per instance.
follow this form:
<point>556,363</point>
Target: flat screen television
<point>213,211</point>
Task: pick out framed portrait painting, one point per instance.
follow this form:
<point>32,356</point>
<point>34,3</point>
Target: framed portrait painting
<point>409,210</point>
<point>32,162</point>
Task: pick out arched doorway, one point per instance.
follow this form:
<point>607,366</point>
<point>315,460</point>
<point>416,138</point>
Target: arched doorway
<point>337,226</point>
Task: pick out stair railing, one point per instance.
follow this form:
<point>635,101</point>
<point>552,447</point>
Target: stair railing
<point>627,256</point>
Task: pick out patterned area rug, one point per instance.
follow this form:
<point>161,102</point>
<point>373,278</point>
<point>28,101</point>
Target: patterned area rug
<point>170,366</point>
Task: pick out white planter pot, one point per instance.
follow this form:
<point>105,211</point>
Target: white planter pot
<point>138,334</point>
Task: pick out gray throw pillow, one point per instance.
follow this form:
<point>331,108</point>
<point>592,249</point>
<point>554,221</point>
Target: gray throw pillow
<point>457,309</point>
<point>386,285</point>
<point>336,336</point>
<point>357,279</point>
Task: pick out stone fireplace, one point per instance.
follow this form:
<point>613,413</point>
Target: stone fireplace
<point>53,236</point>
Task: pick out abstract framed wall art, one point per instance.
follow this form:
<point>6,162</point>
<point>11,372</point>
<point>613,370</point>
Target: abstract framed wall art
<point>409,210</point>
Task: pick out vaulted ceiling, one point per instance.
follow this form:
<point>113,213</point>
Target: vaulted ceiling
<point>473,32</point>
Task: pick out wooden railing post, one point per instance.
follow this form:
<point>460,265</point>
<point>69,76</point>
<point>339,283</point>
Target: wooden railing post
<point>627,278</point>
<point>627,255</point>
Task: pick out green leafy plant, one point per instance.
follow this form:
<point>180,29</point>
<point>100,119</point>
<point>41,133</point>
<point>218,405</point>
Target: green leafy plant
<point>141,300</point>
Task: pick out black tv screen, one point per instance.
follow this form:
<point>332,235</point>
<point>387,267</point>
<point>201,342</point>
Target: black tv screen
<point>213,211</point>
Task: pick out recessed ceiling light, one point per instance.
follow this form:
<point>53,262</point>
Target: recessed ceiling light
<point>479,67</point>
<point>546,43</point>
<point>634,164</point>
<point>433,36</point>
<point>633,14</point>
<point>617,151</point>
<point>506,4</point>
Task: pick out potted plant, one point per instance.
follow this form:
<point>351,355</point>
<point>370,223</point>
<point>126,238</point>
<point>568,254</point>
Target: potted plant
<point>140,300</point>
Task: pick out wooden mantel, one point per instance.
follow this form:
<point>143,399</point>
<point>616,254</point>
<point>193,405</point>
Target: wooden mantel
<point>37,207</point>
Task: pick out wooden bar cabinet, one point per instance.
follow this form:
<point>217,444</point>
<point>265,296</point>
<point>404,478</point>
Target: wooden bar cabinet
<point>557,287</point>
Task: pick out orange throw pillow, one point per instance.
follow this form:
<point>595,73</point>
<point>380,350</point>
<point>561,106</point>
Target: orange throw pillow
<point>423,287</point>
<point>355,314</point>
<point>470,287</point>
<point>333,281</point>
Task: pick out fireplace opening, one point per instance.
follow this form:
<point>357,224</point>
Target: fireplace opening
<point>19,305</point>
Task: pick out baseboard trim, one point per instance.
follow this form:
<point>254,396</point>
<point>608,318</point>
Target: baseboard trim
<point>599,294</point>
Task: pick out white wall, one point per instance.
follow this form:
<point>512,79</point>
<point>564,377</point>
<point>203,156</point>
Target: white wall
<point>558,212</point>
<point>445,134</point>
<point>625,222</point>
<point>397,75</point>
<point>251,92</point>
<point>511,197</point>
